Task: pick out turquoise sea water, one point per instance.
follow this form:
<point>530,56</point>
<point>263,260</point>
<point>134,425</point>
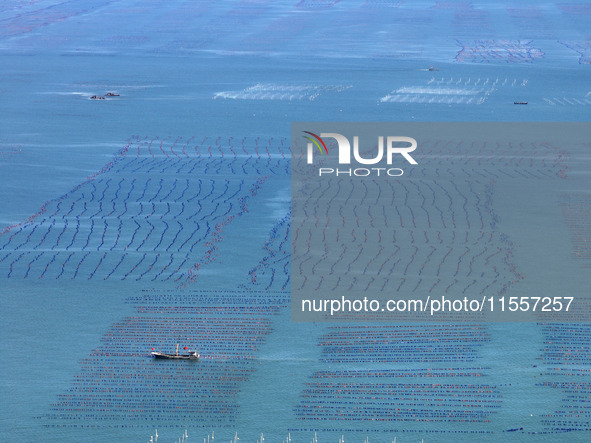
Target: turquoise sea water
<point>190,165</point>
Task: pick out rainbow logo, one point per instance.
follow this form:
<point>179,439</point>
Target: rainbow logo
<point>316,142</point>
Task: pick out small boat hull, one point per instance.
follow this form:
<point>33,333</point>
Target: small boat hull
<point>163,356</point>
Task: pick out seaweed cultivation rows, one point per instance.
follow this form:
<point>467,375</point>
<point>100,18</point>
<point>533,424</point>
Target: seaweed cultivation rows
<point>438,233</point>
<point>399,402</point>
<point>490,51</point>
<point>582,47</point>
<point>448,242</point>
<point>304,27</point>
<point>45,15</point>
<point>120,383</point>
<point>576,209</point>
<point>402,344</point>
<point>568,101</point>
<point>271,91</point>
<point>401,398</point>
<point>274,270</point>
<point>316,4</point>
<point>155,212</point>
<point>566,352</point>
<point>450,90</point>
<point>492,159</point>
<point>378,4</point>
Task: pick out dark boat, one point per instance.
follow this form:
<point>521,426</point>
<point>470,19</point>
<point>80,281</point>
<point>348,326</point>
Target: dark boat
<point>520,103</point>
<point>97,97</point>
<point>431,68</point>
<point>111,94</point>
<point>190,356</point>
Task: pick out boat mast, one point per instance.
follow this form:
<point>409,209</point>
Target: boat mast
<point>177,349</point>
